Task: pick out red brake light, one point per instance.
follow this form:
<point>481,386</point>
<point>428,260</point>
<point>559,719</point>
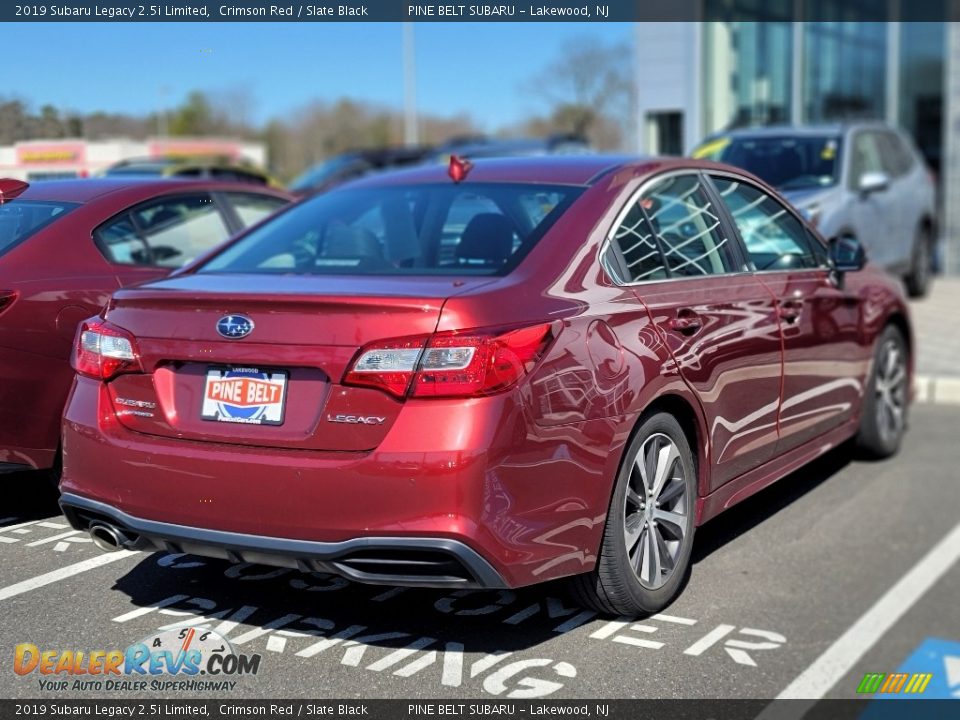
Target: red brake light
<point>451,364</point>
<point>458,168</point>
<point>103,351</point>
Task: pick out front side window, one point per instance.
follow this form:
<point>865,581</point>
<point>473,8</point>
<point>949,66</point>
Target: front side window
<point>865,158</point>
<point>443,229</point>
<point>774,238</point>
<point>673,230</point>
<point>163,233</point>
<point>19,219</point>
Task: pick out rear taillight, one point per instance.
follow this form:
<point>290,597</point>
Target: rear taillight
<point>103,351</point>
<point>451,364</point>
<point>6,299</point>
<point>387,364</point>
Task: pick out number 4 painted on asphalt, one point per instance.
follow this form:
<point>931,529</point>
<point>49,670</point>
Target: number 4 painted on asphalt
<point>737,649</point>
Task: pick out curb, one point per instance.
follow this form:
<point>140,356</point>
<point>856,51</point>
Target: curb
<point>937,390</point>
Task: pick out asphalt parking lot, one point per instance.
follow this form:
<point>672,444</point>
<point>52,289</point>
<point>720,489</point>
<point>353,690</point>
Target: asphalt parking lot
<point>844,568</point>
<point>776,582</point>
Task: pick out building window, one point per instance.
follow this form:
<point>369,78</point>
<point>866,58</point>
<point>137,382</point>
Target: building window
<point>747,79</point>
<point>922,49</point>
<point>844,68</point>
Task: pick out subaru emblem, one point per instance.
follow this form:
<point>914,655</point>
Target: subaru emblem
<point>234,326</point>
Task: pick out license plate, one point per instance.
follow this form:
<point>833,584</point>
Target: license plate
<point>252,396</point>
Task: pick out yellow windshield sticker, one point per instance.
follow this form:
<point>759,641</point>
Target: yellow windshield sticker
<point>712,149</point>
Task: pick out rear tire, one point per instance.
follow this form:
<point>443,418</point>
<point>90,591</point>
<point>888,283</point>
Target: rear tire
<point>921,264</point>
<point>645,555</point>
<point>883,417</point>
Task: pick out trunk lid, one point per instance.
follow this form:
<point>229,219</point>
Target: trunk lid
<point>278,386</point>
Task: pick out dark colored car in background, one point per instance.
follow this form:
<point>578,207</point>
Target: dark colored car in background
<point>554,367</point>
<point>861,180</point>
<point>65,246</point>
<point>198,167</point>
<point>486,147</point>
<point>355,164</point>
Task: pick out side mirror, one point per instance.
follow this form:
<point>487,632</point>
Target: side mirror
<point>871,182</point>
<point>847,254</point>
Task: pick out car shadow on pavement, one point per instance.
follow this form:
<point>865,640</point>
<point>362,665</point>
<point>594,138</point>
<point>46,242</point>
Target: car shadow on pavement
<point>27,496</point>
<point>291,612</point>
<point>305,608</point>
<point>746,515</point>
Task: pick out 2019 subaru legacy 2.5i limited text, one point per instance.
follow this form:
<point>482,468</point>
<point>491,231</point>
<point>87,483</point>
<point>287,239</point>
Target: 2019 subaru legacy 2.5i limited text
<point>545,367</point>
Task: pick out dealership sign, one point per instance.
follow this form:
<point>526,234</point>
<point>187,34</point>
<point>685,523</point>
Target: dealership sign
<point>50,153</point>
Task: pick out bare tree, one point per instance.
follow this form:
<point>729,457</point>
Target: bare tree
<point>321,130</point>
<point>589,89</point>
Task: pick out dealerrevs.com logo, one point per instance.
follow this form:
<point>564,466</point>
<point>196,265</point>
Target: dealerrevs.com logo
<point>181,659</point>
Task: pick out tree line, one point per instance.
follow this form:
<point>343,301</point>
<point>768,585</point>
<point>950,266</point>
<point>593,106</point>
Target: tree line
<point>586,90</point>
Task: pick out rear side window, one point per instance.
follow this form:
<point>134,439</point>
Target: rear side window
<point>673,231</point>
<point>444,229</point>
<point>19,219</point>
<point>252,208</point>
<point>163,233</point>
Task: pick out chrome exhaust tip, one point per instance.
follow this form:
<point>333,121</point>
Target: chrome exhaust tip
<point>106,537</point>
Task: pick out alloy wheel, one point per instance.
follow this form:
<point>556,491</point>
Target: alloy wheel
<point>890,389</point>
<point>655,511</point>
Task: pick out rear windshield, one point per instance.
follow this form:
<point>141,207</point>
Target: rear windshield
<point>787,163</point>
<point>444,229</point>
<point>19,219</point>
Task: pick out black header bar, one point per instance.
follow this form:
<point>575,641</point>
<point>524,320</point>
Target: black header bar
<point>597,11</point>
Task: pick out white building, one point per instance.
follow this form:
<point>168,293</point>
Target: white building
<point>49,159</point>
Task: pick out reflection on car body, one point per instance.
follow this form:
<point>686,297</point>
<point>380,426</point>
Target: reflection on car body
<point>568,389</point>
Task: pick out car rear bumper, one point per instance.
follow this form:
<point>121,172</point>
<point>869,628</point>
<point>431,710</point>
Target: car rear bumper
<point>460,494</point>
<point>426,562</point>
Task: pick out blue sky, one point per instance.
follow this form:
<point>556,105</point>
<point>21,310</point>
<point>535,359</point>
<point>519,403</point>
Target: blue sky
<point>479,68</point>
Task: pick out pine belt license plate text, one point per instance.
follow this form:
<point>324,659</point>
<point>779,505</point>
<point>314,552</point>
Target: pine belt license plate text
<point>244,395</point>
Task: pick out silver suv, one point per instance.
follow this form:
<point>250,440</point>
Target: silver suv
<point>860,180</point>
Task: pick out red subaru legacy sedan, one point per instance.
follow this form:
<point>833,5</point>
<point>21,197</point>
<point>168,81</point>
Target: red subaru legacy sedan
<point>553,367</point>
<point>65,246</point>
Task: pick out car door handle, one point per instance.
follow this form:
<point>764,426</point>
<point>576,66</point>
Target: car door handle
<point>686,324</point>
<point>789,310</point>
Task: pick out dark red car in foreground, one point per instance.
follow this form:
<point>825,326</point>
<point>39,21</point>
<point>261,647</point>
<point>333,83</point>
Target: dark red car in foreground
<point>65,246</point>
<point>556,367</point>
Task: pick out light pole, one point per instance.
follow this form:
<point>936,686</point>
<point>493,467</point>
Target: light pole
<point>162,114</point>
<point>411,133</point>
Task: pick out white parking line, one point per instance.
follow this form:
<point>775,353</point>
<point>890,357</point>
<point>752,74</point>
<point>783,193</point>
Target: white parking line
<point>54,538</point>
<point>814,682</point>
<point>62,574</point>
<point>10,528</point>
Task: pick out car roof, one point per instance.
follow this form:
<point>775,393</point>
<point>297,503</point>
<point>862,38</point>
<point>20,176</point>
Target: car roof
<point>83,190</point>
<point>547,169</point>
